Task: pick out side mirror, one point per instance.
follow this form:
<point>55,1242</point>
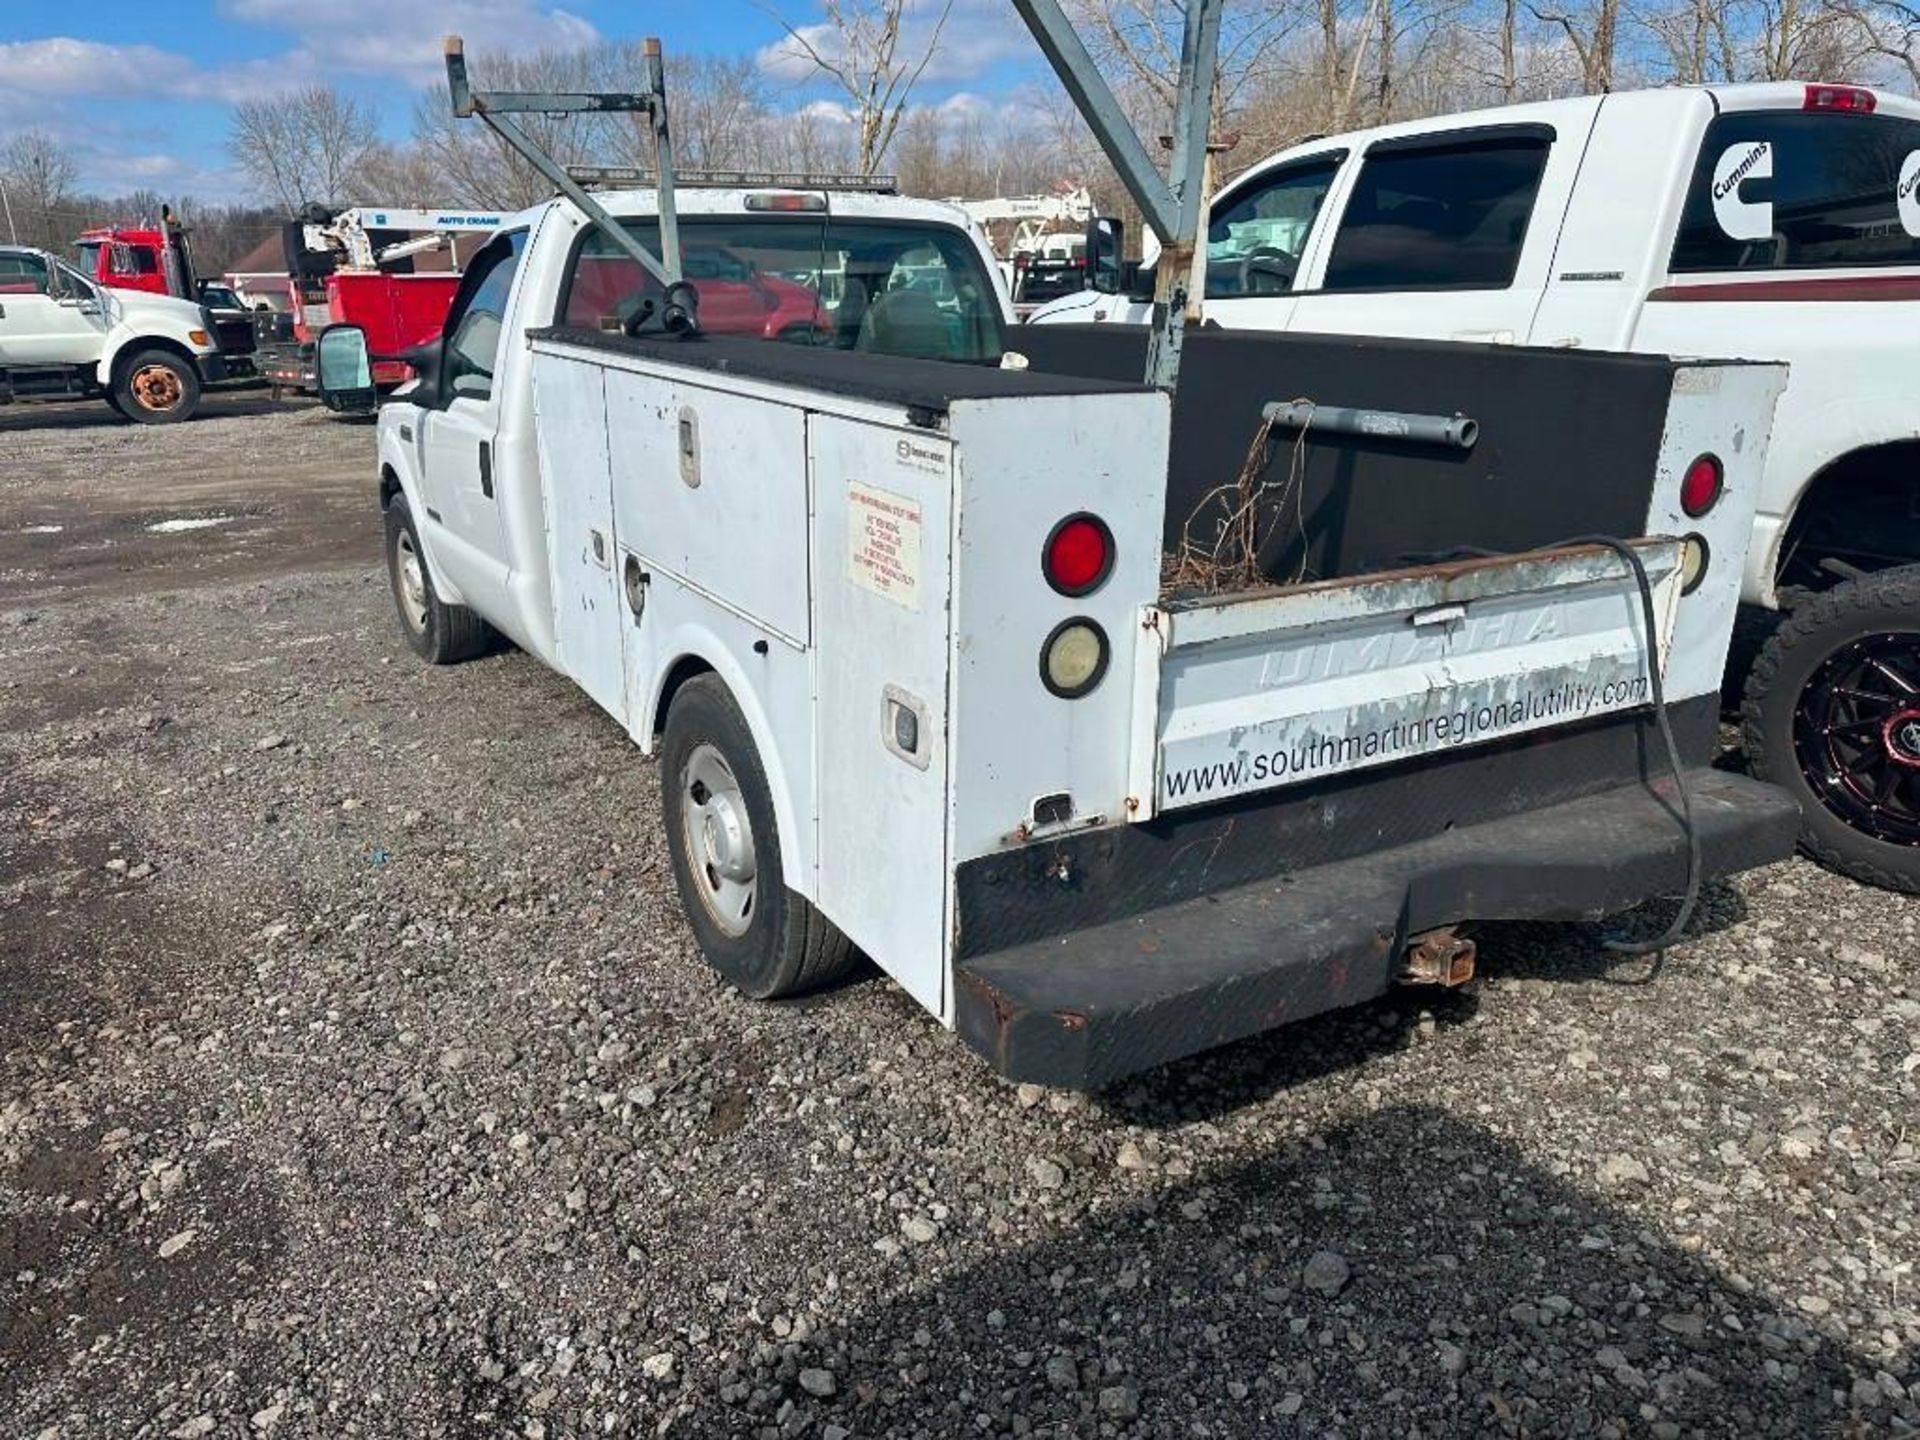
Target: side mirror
<point>1106,240</point>
<point>344,370</point>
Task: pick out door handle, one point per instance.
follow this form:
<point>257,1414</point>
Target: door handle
<point>3,312</point>
<point>486,469</point>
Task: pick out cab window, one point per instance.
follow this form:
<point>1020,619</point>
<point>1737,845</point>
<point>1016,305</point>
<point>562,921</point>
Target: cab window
<point>884,287</point>
<point>1439,216</point>
<point>473,343</point>
<point>1255,241</point>
<point>1792,190</point>
<point>23,275</point>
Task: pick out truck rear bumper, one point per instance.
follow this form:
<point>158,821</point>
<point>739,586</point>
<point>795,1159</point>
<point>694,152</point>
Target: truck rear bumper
<point>1081,1009</point>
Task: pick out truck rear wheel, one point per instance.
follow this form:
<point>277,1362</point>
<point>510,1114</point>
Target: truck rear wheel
<point>764,938</point>
<point>156,387</point>
<point>1832,715</point>
<point>440,634</point>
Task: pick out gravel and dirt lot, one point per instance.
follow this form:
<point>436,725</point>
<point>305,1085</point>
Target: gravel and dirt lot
<point>358,1077</point>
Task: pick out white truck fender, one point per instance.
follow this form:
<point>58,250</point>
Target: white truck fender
<point>124,337</point>
<point>692,640</point>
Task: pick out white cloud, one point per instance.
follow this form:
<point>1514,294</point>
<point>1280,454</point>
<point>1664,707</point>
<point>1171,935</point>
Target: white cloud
<point>977,35</point>
<point>401,38</point>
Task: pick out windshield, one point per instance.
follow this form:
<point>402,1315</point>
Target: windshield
<point>89,253</point>
<point>885,287</point>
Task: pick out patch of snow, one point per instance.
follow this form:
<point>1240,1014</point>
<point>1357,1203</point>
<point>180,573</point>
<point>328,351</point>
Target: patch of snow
<point>174,527</point>
<point>42,529</point>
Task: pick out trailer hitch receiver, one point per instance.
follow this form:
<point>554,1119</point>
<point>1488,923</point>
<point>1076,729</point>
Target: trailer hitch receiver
<point>1438,957</point>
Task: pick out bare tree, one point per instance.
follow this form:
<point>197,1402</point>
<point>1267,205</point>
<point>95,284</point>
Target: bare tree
<point>1594,34</point>
<point>1890,29</point>
<point>859,49</point>
<point>39,175</point>
<point>304,146</point>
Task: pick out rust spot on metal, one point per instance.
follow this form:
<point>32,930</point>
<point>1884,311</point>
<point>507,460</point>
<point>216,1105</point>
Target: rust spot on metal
<point>1133,804</point>
<point>1070,1019</point>
<point>1438,957</point>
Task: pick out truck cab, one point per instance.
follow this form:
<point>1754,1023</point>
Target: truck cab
<point>1769,221</point>
<point>63,336</point>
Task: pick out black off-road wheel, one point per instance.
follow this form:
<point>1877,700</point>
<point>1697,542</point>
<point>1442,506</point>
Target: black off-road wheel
<point>440,634</point>
<point>725,845</point>
<point>156,387</point>
<point>1832,715</point>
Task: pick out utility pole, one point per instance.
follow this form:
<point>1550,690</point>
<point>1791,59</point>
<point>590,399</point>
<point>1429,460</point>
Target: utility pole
<point>13,235</point>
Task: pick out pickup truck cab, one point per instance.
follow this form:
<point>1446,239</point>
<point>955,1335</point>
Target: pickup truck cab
<point>1768,221</point>
<point>61,335</point>
<point>933,676</point>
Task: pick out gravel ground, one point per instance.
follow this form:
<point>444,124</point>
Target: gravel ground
<point>358,1077</point>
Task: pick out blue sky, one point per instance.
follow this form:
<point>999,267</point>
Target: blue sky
<point>139,91</point>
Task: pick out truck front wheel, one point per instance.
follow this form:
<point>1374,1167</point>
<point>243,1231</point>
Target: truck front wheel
<point>764,938</point>
<point>440,634</point>
<point>1832,715</point>
<point>156,387</point>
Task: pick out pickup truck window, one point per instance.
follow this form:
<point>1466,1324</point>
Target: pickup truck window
<point>475,331</point>
<point>1254,244</point>
<point>888,287</point>
<point>1826,190</point>
<point>1438,217</point>
<point>23,275</point>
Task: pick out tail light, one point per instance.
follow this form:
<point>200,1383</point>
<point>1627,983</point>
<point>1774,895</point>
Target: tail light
<point>787,203</point>
<point>1702,486</point>
<point>1074,658</point>
<point>1078,556</point>
<point>1845,99</point>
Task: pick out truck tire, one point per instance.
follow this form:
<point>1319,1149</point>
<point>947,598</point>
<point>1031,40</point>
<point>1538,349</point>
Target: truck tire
<point>156,387</point>
<point>765,939</point>
<point>440,634</point>
<point>1832,716</point>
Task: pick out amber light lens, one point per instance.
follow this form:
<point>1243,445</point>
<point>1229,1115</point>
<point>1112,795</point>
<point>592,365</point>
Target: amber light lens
<point>1079,555</point>
<point>1702,485</point>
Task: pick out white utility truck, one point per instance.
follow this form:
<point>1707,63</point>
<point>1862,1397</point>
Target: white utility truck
<point>897,616</point>
<point>63,336</point>
<point>1774,221</point>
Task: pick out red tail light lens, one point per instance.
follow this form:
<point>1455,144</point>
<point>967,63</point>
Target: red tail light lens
<point>1079,555</point>
<point>1846,99</point>
<point>1701,486</point>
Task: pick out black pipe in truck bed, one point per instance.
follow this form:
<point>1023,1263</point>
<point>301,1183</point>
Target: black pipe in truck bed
<point>1567,445</point>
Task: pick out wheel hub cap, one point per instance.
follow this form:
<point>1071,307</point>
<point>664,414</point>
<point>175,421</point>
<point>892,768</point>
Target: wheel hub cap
<point>413,583</point>
<point>156,387</point>
<point>718,834</point>
<point>1901,735</point>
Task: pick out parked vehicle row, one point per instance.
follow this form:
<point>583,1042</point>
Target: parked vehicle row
<point>1777,222</point>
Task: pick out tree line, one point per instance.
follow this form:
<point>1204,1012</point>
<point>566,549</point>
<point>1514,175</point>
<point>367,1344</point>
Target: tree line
<point>1289,68</point>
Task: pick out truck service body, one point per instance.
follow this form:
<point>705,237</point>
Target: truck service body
<point>890,609</point>
<point>1770,221</point>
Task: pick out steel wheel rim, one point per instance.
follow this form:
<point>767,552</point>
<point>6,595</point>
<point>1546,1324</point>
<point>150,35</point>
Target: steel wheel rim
<point>1856,735</point>
<point>410,581</point>
<point>156,387</point>
<point>718,836</point>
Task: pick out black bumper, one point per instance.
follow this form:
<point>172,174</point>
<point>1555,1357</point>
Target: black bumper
<point>1084,1008</point>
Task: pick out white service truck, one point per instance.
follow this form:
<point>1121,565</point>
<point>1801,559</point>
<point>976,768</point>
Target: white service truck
<point>62,336</point>
<point>890,609</point>
<point>1771,221</point>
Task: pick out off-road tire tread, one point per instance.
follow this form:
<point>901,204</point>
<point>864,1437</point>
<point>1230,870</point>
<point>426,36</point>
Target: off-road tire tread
<point>1897,588</point>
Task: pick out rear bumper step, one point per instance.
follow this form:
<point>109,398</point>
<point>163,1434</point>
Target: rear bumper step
<point>1083,1009</point>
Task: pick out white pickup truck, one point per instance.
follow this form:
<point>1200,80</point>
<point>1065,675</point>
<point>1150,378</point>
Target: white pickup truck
<point>61,336</point>
<point>890,610</point>
<point>1777,221</point>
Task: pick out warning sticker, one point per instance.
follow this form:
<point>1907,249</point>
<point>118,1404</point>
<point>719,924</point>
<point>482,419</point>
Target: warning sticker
<point>1907,194</point>
<point>883,544</point>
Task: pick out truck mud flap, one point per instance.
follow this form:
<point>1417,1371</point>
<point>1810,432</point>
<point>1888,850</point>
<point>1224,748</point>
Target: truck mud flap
<point>1083,1009</point>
